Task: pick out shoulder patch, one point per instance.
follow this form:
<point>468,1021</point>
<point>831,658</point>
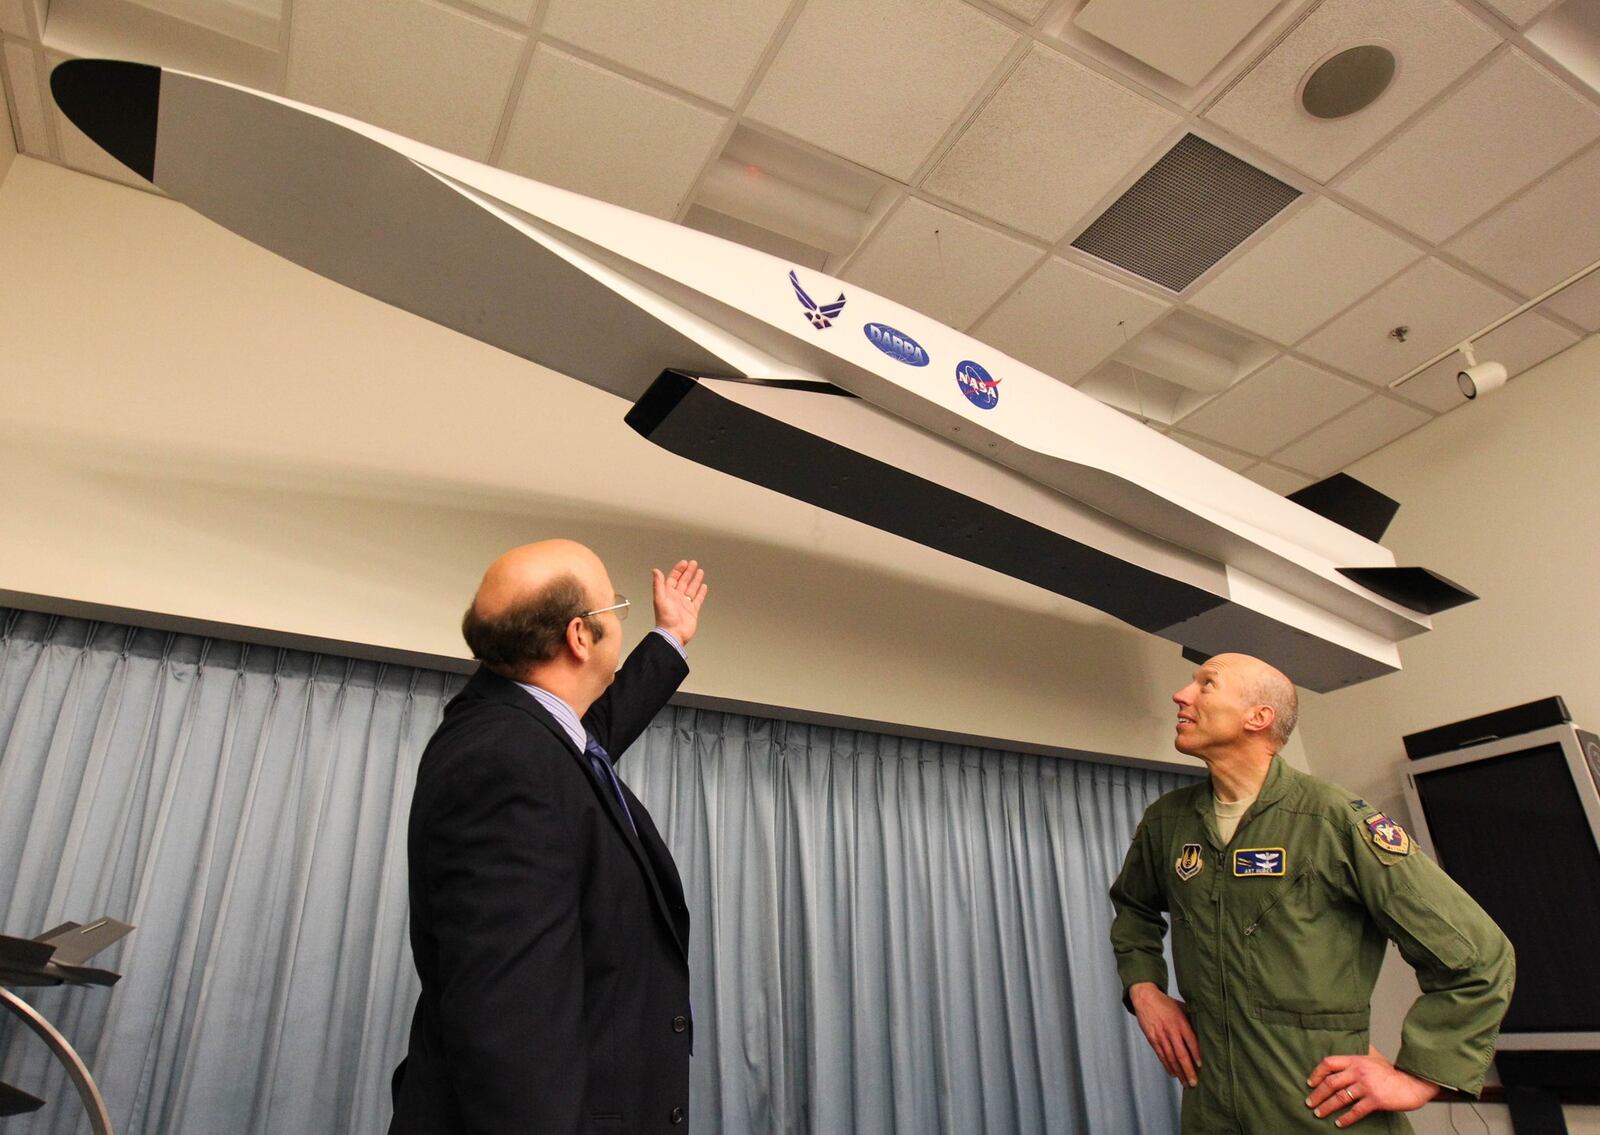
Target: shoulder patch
<point>1388,835</point>
<point>1189,862</point>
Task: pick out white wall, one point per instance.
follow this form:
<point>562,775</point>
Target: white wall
<point>1501,495</point>
<point>198,428</point>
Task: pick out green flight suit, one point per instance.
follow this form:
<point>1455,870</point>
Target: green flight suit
<point>1277,939</point>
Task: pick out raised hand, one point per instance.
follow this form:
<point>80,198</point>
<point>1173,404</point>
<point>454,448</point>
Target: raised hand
<point>679,596</point>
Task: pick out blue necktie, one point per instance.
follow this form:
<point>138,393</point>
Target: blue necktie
<point>601,760</point>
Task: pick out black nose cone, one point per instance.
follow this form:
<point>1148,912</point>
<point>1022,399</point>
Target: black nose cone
<point>114,103</point>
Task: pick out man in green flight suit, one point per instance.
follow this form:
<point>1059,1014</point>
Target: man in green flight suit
<point>1282,890</point>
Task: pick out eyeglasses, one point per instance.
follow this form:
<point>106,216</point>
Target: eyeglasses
<point>620,607</point>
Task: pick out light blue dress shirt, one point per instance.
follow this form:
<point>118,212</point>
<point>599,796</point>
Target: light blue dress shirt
<point>567,717</point>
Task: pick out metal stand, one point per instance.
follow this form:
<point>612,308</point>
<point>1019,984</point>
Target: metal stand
<point>99,1121</point>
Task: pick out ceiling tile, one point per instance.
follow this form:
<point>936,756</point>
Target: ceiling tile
<point>1520,12</point>
<point>1143,396</point>
<point>1371,425</point>
<point>1435,41</point>
<point>14,18</point>
<point>1580,303</point>
<point>594,131</point>
<point>22,68</point>
<point>1272,407</point>
<point>1543,236</point>
<point>1025,9</point>
<point>1182,43</point>
<point>1304,272</point>
<point>1052,142</point>
<point>941,264</point>
<point>430,73</point>
<point>1227,458</point>
<point>880,81</point>
<point>518,11</point>
<point>1526,341</point>
<point>709,47</point>
<point>1064,319</point>
<point>1281,481</point>
<point>1437,305</point>
<point>754,236</point>
<point>1475,149</point>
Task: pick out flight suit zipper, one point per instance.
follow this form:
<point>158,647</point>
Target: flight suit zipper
<point>1219,933</point>
<point>1227,1015</point>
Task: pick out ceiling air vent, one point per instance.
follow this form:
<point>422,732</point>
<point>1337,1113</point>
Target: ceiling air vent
<point>1188,211</point>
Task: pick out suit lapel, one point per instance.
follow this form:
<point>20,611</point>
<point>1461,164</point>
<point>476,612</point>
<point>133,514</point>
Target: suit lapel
<point>665,872</point>
<point>625,829</point>
<point>504,690</point>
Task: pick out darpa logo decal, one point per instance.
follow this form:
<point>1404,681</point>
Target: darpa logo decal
<point>981,390</point>
<point>896,345</point>
<point>821,315</point>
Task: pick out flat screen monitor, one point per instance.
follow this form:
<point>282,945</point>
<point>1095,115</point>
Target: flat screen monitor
<point>1516,821</point>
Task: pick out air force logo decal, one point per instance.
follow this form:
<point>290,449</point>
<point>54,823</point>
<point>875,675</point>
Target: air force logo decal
<point>821,315</point>
<point>1189,862</point>
<point>1388,835</point>
<point>1258,861</point>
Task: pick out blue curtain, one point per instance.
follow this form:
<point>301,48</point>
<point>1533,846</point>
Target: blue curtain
<point>890,935</point>
<point>899,935</point>
<point>245,808</point>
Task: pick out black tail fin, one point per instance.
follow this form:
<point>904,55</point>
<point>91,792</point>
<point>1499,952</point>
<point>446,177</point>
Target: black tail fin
<point>1344,500</point>
<point>1415,587</point>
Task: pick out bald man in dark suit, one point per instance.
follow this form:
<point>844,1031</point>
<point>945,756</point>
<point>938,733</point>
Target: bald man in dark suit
<point>548,920</point>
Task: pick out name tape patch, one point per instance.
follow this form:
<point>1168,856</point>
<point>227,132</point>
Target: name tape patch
<point>1259,861</point>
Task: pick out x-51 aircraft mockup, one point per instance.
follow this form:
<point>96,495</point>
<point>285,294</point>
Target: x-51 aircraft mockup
<point>787,378</point>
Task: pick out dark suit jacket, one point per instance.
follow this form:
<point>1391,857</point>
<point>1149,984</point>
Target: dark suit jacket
<point>550,939</point>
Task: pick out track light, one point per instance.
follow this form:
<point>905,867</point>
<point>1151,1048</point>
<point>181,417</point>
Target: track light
<point>1471,381</point>
<point>1479,378</point>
